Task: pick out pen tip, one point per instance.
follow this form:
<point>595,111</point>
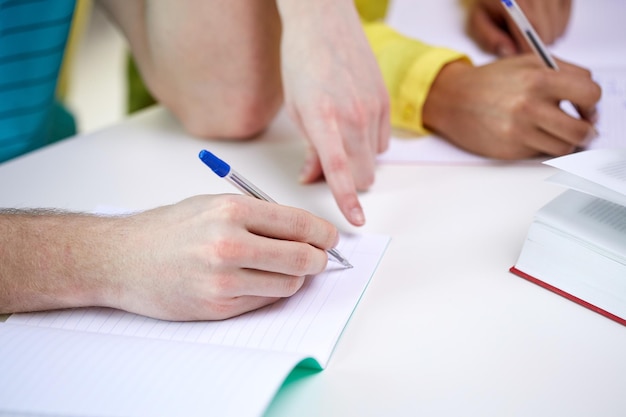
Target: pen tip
<point>337,257</point>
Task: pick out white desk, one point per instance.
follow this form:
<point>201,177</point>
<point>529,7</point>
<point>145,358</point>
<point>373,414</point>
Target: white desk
<point>443,329</point>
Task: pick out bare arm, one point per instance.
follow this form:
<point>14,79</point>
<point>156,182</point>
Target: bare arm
<point>207,257</point>
<point>47,261</point>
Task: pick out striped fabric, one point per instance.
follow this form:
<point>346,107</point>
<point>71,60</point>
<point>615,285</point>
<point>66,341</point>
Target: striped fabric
<point>33,34</point>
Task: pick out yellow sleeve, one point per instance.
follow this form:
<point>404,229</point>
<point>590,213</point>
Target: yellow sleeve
<point>409,68</point>
<point>370,10</point>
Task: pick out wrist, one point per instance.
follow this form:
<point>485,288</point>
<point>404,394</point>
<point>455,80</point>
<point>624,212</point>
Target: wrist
<point>440,104</point>
<point>62,260</point>
<point>85,258</point>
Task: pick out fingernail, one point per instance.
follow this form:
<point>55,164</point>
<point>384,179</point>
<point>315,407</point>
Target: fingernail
<point>357,217</point>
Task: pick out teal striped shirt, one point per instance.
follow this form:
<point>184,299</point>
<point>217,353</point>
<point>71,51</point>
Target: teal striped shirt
<point>33,36</point>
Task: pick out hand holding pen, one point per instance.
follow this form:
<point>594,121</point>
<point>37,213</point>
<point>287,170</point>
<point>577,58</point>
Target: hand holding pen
<point>511,108</point>
<point>536,44</point>
<point>223,170</point>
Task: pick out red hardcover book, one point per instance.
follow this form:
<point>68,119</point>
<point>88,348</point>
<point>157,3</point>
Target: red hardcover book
<point>576,244</point>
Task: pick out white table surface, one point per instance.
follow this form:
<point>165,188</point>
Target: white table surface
<point>442,330</point>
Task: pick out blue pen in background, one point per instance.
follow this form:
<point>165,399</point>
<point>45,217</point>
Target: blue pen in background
<point>535,42</point>
<point>524,26</point>
<point>224,170</point>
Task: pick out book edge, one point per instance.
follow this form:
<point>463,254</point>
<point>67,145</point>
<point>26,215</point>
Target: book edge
<point>567,295</point>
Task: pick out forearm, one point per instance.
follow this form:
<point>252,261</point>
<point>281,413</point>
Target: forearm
<point>51,260</point>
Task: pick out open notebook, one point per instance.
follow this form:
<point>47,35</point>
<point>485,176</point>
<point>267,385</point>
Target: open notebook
<point>105,362</point>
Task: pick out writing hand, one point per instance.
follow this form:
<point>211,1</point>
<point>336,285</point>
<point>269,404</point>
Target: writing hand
<point>510,109</point>
<point>214,257</point>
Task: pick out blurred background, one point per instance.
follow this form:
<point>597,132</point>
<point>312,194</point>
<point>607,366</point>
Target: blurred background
<point>96,89</point>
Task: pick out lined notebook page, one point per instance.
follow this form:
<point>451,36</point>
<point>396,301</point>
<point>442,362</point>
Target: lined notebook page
<point>53,372</point>
<point>310,322</point>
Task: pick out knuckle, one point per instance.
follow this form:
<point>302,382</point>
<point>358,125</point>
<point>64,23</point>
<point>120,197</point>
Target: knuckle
<point>301,224</point>
<point>508,131</point>
<point>337,163</point>
<point>360,115</point>
<point>221,285</point>
<point>595,92</point>
<point>232,208</point>
<point>509,146</point>
<point>358,112</point>
<point>536,80</point>
<point>521,105</point>
<point>226,250</point>
<point>292,285</point>
<point>222,309</point>
<point>338,115</point>
<point>580,133</point>
<point>303,260</point>
<point>326,109</point>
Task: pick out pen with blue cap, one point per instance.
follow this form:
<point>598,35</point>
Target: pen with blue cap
<point>223,170</point>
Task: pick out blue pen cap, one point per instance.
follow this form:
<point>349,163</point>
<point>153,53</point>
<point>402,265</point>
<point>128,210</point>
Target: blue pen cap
<point>218,166</point>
